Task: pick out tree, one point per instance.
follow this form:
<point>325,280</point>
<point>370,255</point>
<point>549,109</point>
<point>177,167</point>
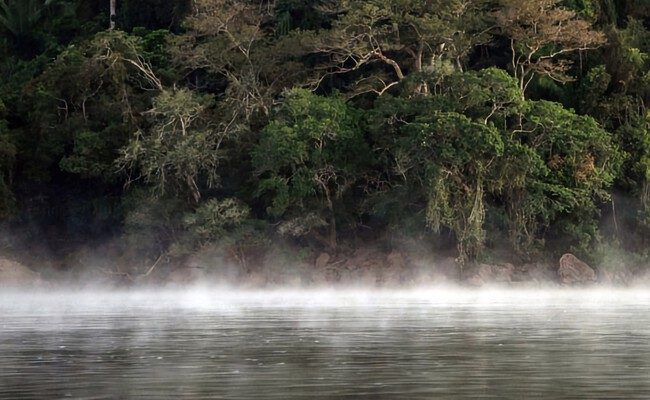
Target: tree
<point>488,95</point>
<point>451,157</point>
<point>308,159</point>
<point>178,148</point>
<point>555,175</point>
<point>444,159</point>
<point>112,14</point>
<point>228,39</point>
<point>225,222</point>
<point>475,144</point>
<point>404,36</point>
<point>30,27</point>
<point>540,33</point>
<point>88,101</point>
<point>616,93</point>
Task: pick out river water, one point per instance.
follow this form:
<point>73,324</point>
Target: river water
<point>429,344</point>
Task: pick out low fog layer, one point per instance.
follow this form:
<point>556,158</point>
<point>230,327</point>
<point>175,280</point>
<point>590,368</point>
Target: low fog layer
<point>215,342</point>
<point>368,266</point>
<point>215,298</point>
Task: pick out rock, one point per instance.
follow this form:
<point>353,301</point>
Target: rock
<point>322,260</point>
<point>13,273</point>
<point>573,271</point>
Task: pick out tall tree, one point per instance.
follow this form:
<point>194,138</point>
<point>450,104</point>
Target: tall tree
<point>112,14</point>
<point>308,158</point>
<point>230,40</point>
<point>179,147</point>
<point>404,36</point>
<point>540,33</point>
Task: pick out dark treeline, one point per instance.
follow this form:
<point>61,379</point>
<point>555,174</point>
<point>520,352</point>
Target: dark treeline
<point>483,127</point>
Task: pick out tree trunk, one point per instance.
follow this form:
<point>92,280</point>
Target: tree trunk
<point>332,234</point>
<point>424,88</point>
<point>112,15</point>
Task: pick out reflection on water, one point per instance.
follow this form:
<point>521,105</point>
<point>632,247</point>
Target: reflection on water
<point>281,345</point>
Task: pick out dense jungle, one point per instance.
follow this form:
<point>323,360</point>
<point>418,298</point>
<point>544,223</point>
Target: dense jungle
<point>319,141</point>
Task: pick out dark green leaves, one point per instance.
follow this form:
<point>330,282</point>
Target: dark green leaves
<point>310,156</point>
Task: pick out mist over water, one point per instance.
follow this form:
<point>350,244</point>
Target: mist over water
<point>278,344</point>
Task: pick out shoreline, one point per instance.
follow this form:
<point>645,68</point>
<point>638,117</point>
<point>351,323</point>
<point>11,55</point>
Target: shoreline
<point>32,281</point>
<point>365,266</point>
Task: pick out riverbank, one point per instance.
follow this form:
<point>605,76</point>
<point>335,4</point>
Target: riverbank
<point>370,265</point>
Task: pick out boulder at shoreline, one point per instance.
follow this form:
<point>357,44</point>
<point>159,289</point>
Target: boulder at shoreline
<point>573,271</point>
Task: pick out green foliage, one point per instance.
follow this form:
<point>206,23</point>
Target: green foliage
<point>301,15</point>
<point>588,9</point>
<point>179,148</point>
<point>444,148</point>
<point>154,49</point>
<point>477,140</point>
<point>309,157</point>
<point>83,106</point>
<point>230,41</point>
<point>540,33</point>
<point>226,222</point>
<point>488,95</point>
<point>208,122</point>
<point>627,63</point>
<point>593,88</point>
<point>213,219</point>
<point>556,181</point>
<point>451,155</point>
<point>403,35</point>
<point>634,138</point>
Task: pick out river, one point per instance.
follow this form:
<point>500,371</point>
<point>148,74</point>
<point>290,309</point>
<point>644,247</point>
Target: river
<point>306,344</point>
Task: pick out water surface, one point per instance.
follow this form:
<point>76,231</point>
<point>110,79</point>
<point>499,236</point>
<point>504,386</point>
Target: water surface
<point>214,343</point>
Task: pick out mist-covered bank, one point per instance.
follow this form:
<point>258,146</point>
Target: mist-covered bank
<point>410,265</point>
